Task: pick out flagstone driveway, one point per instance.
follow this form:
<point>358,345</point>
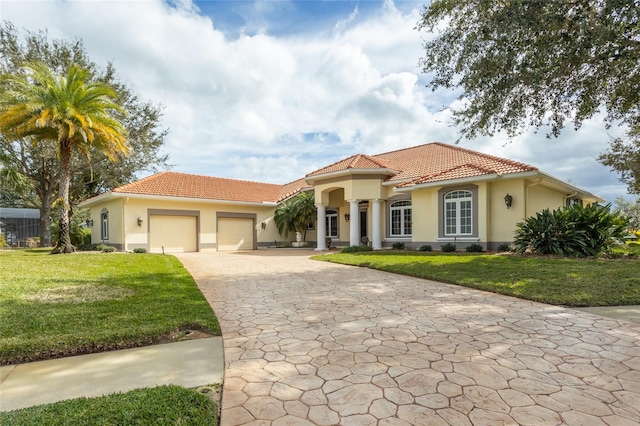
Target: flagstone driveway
<point>309,342</point>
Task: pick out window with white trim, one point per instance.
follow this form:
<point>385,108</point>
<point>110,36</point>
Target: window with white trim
<point>331,220</point>
<point>104,225</point>
<point>458,213</point>
<point>400,222</point>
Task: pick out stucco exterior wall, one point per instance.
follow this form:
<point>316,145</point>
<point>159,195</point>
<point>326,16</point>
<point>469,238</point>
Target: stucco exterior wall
<point>116,235</point>
<point>540,197</point>
<point>424,205</point>
<point>125,233</point>
<point>502,220</point>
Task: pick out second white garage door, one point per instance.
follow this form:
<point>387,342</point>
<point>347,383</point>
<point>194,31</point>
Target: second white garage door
<point>177,234</point>
<point>235,234</point>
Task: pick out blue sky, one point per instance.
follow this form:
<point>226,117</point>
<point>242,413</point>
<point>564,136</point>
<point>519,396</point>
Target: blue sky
<point>272,90</point>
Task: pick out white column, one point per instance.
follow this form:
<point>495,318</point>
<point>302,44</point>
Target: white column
<point>321,227</point>
<point>354,224</point>
<point>376,225</point>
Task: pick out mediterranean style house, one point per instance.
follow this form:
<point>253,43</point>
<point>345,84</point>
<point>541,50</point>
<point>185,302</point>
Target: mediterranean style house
<point>429,194</point>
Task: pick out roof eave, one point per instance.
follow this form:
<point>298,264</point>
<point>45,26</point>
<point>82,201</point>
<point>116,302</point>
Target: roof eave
<point>470,179</point>
<point>349,172</point>
<point>103,197</point>
<point>574,189</point>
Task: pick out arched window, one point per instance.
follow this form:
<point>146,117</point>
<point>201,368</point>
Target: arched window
<point>331,218</point>
<point>458,213</point>
<point>104,225</point>
<point>400,214</point>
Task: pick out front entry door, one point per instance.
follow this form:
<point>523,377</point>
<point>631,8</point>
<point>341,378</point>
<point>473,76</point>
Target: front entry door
<point>363,224</point>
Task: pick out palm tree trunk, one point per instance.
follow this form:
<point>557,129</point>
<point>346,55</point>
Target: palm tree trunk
<point>64,236</point>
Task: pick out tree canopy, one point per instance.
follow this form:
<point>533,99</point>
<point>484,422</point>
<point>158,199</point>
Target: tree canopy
<point>69,111</point>
<point>538,63</point>
<point>30,172</point>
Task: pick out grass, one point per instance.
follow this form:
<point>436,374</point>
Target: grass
<point>164,405</point>
<point>63,305</point>
<point>558,281</point>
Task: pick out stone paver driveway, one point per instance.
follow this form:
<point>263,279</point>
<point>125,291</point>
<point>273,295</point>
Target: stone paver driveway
<point>310,342</point>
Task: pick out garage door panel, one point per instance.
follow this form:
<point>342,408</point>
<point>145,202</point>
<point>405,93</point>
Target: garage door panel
<point>176,234</point>
<point>235,234</point>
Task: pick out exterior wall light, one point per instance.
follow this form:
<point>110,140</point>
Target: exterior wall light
<point>89,223</point>
<point>140,221</point>
<point>347,216</point>
<point>508,200</point>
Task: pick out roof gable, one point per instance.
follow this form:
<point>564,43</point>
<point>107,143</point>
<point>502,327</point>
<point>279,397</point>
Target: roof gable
<point>434,159</point>
<point>358,161</point>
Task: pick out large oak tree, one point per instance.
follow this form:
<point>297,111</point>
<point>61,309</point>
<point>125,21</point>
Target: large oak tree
<point>538,63</point>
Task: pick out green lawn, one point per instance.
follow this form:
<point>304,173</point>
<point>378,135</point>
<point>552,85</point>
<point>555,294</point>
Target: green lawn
<point>558,281</point>
<point>61,305</point>
<point>164,405</point>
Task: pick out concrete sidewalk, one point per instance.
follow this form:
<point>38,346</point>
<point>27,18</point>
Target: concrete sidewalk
<point>189,363</point>
<point>627,313</point>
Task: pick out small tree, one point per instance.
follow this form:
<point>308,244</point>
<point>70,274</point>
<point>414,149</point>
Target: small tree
<point>630,210</point>
<point>305,207</point>
<point>293,215</point>
<point>286,218</point>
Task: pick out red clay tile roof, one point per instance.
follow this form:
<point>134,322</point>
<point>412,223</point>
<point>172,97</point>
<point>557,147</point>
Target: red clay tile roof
<point>458,172</point>
<point>429,163</point>
<point>358,161</point>
<point>432,162</point>
<point>174,184</point>
<point>292,188</point>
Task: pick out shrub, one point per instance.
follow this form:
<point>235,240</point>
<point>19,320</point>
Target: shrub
<point>474,248</point>
<point>3,241</point>
<point>504,247</point>
<point>398,246</point>
<point>570,231</point>
<point>426,248</point>
<point>108,249</point>
<point>355,249</point>
<point>80,236</point>
<point>140,250</point>
<point>448,248</point>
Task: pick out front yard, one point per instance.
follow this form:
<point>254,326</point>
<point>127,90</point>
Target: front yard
<point>163,405</point>
<point>557,281</point>
<point>64,305</point>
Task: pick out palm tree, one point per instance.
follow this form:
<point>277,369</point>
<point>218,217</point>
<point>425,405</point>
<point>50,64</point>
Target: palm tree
<point>69,110</point>
<point>305,206</point>
<point>286,218</point>
<point>294,215</point>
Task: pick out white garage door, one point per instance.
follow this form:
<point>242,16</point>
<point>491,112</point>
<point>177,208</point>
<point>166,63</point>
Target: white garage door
<point>235,233</point>
<point>177,234</point>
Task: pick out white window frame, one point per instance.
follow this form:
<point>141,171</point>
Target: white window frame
<point>331,215</point>
<point>457,202</point>
<point>404,209</point>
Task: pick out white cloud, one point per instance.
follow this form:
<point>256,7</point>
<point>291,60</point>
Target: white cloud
<point>273,108</point>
